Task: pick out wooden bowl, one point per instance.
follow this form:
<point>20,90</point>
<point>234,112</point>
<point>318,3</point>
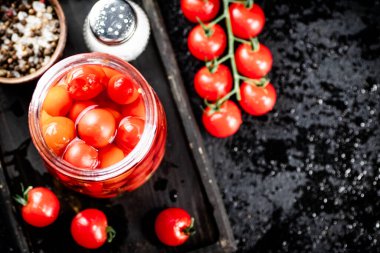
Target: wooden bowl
<point>57,52</point>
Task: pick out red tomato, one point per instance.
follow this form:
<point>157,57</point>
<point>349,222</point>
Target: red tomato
<point>173,226</point>
<point>81,155</point>
<point>246,22</point>
<point>129,132</point>
<point>223,122</point>
<point>57,101</point>
<point>204,47</point>
<point>57,133</point>
<point>136,108</point>
<point>97,127</point>
<point>253,64</point>
<point>40,206</point>
<point>257,100</point>
<point>212,86</point>
<point>110,72</point>
<point>89,228</point>
<point>122,89</point>
<point>205,10</point>
<point>78,107</point>
<point>85,82</point>
<point>110,155</point>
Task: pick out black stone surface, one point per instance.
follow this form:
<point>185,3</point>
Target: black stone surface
<point>304,178</point>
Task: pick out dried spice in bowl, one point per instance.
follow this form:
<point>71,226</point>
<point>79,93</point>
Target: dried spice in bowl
<point>29,33</point>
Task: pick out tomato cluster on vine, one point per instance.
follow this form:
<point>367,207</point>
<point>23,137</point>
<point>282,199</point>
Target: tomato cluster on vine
<point>250,62</point>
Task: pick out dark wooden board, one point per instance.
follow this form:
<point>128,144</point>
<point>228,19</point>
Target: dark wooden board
<point>184,179</point>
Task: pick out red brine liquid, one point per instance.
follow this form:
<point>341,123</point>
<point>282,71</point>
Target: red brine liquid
<point>98,125</point>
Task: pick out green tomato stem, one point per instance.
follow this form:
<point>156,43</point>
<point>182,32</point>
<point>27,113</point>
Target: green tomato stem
<point>217,20</point>
<point>111,233</point>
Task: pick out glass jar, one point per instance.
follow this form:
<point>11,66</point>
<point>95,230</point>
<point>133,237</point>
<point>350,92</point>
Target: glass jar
<point>126,175</point>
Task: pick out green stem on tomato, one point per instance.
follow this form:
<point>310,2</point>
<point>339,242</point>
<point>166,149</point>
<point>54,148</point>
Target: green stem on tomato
<point>241,40</point>
<point>208,31</point>
<point>217,20</point>
<point>111,233</point>
<point>249,4</point>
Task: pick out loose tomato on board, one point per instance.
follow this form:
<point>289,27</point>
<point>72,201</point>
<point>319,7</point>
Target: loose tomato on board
<point>256,100</point>
<point>173,226</point>
<point>253,64</point>
<point>97,127</point>
<point>57,101</point>
<point>122,89</point>
<point>246,22</point>
<point>212,86</point>
<point>205,10</point>
<point>57,133</point>
<point>81,155</point>
<point>90,229</point>
<point>86,82</point>
<point>207,47</point>
<point>224,121</point>
<point>40,206</point>
<point>129,133</point>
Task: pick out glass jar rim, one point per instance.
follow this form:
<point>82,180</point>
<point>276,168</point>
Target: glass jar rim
<point>56,72</point>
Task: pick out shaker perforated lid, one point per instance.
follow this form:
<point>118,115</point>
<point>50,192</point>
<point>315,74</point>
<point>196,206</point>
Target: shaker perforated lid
<point>112,21</point>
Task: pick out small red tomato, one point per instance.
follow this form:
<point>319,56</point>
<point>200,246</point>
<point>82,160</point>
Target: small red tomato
<point>136,108</point>
<point>253,64</point>
<point>57,133</point>
<point>110,72</point>
<point>78,107</point>
<point>129,133</point>
<point>97,127</point>
<point>122,89</point>
<point>57,101</point>
<point>205,10</point>
<point>90,229</point>
<point>212,86</point>
<point>40,206</point>
<point>81,155</point>
<point>85,82</point>
<point>173,226</point>
<point>207,47</point>
<point>246,22</point>
<point>224,121</point>
<point>110,155</point>
<point>257,100</point>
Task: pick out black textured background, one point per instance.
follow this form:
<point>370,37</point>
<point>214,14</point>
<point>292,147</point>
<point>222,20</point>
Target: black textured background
<point>305,178</point>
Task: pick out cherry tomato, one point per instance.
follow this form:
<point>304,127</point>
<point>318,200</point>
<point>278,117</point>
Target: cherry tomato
<point>57,133</point>
<point>122,89</point>
<point>40,206</point>
<point>97,127</point>
<point>212,86</point>
<point>246,22</point>
<point>85,82</point>
<point>136,108</point>
<point>257,100</point>
<point>129,132</point>
<point>173,226</point>
<point>253,64</point>
<point>57,101</point>
<point>204,47</point>
<point>78,107</point>
<point>44,117</point>
<point>205,10</point>
<point>90,229</point>
<point>81,155</point>
<point>110,72</point>
<point>110,155</point>
<point>223,122</point>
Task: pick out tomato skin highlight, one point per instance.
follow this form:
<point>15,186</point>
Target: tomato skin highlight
<point>42,207</point>
<point>129,133</point>
<point>255,100</point>
<point>253,64</point>
<point>97,127</point>
<point>212,86</point>
<point>88,228</point>
<point>204,10</point>
<point>170,226</point>
<point>57,133</point>
<point>85,82</point>
<point>122,89</point>
<point>57,101</point>
<point>207,48</point>
<point>224,122</point>
<point>246,23</point>
<point>81,155</point>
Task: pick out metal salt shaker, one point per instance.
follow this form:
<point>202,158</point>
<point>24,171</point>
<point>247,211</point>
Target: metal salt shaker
<point>118,27</point>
